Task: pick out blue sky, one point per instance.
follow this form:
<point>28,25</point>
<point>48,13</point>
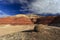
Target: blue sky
<point>13,7</point>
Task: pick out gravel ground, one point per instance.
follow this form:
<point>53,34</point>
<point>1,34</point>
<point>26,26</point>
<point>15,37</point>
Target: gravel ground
<point>45,33</point>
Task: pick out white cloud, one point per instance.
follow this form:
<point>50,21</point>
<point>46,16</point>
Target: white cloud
<point>46,6</point>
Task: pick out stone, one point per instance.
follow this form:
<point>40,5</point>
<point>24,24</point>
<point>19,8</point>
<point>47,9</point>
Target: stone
<point>46,32</point>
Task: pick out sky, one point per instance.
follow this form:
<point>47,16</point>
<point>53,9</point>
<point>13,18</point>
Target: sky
<point>12,7</point>
<point>44,7</point>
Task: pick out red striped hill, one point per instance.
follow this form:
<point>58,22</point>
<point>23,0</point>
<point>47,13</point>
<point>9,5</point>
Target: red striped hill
<point>16,20</point>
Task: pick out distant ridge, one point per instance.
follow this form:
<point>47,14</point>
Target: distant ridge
<point>44,14</point>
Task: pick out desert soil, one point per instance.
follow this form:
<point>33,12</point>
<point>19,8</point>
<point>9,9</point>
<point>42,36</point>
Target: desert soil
<point>7,29</point>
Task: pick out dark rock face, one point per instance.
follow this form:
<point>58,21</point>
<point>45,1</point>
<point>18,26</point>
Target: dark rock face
<point>43,20</point>
<point>49,20</point>
<point>56,21</point>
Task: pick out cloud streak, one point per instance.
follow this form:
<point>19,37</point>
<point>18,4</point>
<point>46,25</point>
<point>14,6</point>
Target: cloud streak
<point>46,6</point>
<point>3,14</point>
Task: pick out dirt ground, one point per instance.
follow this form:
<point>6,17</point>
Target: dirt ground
<point>7,29</point>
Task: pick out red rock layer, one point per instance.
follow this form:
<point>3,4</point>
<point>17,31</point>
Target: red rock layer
<point>43,20</point>
<point>15,21</point>
<point>47,20</point>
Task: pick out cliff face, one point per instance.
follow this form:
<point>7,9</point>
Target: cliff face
<point>43,19</point>
<point>56,21</point>
<point>49,20</point>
